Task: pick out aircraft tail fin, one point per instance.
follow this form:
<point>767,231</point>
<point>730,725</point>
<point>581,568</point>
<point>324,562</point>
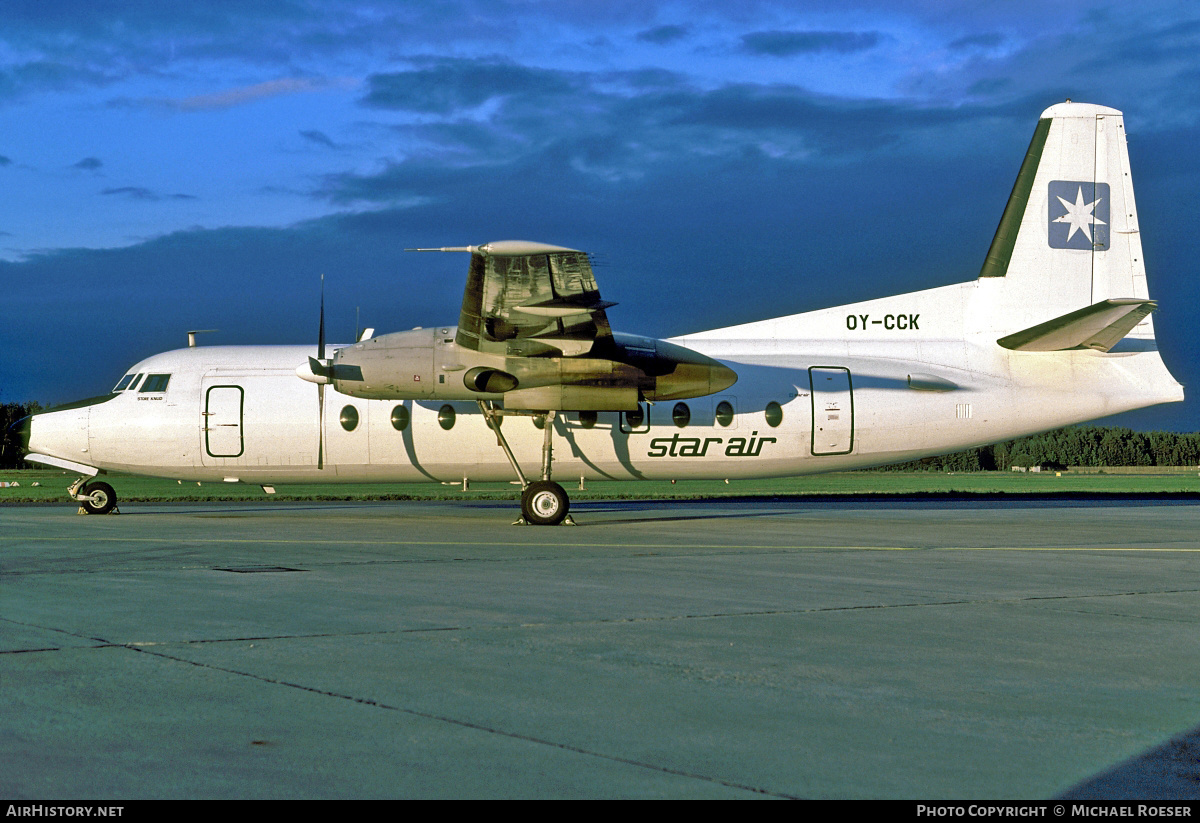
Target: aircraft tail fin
<point>1068,239</point>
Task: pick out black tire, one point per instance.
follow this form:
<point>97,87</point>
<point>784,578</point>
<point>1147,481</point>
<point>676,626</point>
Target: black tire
<point>544,503</point>
<point>101,498</point>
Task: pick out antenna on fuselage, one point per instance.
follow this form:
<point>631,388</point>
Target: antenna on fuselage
<point>192,336</point>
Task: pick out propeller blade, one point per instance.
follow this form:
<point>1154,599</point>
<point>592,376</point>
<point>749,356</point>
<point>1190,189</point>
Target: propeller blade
<point>321,328</point>
<point>319,367</point>
<point>321,426</point>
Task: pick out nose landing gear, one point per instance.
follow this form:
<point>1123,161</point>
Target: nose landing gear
<point>96,497</point>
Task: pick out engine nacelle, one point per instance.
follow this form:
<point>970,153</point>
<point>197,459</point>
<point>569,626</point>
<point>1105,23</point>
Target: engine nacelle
<point>427,364</point>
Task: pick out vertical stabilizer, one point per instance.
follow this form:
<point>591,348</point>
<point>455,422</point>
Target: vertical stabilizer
<point>1069,237</point>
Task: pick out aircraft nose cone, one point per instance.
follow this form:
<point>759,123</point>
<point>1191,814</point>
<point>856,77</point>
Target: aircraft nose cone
<point>61,432</point>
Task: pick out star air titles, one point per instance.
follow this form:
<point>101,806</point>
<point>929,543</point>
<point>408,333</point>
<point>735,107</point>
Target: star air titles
<point>680,446</point>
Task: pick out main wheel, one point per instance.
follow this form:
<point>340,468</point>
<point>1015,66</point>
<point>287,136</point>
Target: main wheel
<point>544,503</point>
<point>101,498</point>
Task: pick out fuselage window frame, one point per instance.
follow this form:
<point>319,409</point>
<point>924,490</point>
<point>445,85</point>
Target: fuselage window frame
<point>681,415</point>
<point>773,414</point>
<point>155,383</point>
<point>636,421</point>
<point>400,417</point>
<point>724,414</point>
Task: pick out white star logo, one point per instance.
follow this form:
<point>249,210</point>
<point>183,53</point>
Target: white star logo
<point>1080,215</point>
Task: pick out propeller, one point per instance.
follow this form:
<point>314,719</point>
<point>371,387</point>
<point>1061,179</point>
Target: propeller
<point>319,371</point>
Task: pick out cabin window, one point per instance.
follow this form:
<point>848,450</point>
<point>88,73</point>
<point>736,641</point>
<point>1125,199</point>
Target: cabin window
<point>349,418</point>
<point>587,419</point>
<point>156,382</point>
<point>724,413</point>
<point>774,414</point>
<point>446,417</point>
<point>681,415</point>
<point>400,418</point>
<point>123,384</point>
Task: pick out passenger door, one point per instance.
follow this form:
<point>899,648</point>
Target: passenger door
<point>832,410</point>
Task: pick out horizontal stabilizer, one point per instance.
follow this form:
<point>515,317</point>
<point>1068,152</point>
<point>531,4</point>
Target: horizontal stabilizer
<point>1099,326</point>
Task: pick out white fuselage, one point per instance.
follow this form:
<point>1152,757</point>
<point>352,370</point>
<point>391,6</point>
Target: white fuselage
<point>866,384</point>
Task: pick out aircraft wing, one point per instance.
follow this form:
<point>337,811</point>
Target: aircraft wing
<point>527,299</point>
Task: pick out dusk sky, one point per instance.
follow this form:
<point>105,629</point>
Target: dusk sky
<point>166,167</point>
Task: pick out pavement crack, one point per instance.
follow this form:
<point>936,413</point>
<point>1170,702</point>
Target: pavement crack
<point>469,724</point>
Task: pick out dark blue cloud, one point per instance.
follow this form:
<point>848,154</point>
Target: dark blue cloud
<point>140,193</point>
<point>318,137</point>
<point>444,85</point>
<point>789,43</point>
<point>661,35</point>
<point>984,40</point>
<point>88,164</point>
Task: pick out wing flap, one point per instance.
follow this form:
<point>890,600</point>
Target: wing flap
<point>526,299</point>
<point>1099,326</point>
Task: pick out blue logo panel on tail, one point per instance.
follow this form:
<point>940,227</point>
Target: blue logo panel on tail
<point>1078,215</point>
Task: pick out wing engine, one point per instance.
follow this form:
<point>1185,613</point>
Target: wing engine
<point>532,333</point>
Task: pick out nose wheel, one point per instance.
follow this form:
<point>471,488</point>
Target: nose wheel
<point>94,498</point>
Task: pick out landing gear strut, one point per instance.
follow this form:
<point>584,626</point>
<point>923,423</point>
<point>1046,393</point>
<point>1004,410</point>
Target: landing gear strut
<point>96,497</point>
<point>543,502</point>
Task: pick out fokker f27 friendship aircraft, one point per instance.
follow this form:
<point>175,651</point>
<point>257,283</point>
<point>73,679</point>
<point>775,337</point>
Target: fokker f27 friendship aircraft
<point>1055,330</point>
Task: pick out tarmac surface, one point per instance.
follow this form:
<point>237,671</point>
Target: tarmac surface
<point>941,649</point>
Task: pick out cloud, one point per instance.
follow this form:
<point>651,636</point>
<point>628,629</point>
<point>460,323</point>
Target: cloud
<point>140,193</point>
<point>989,40</point>
<point>251,94</point>
<point>661,35</point>
<point>443,85</point>
<point>88,164</point>
<point>790,43</point>
<point>318,137</point>
<point>5,161</point>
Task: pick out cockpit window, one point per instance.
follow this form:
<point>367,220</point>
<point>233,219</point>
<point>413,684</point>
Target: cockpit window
<point>124,384</point>
<point>133,385</point>
<point>156,382</point>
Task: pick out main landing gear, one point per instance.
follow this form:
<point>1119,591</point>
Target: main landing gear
<point>543,502</point>
<point>96,497</point>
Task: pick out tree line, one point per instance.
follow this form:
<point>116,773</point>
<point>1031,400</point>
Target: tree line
<point>10,440</point>
<point>1071,446</point>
